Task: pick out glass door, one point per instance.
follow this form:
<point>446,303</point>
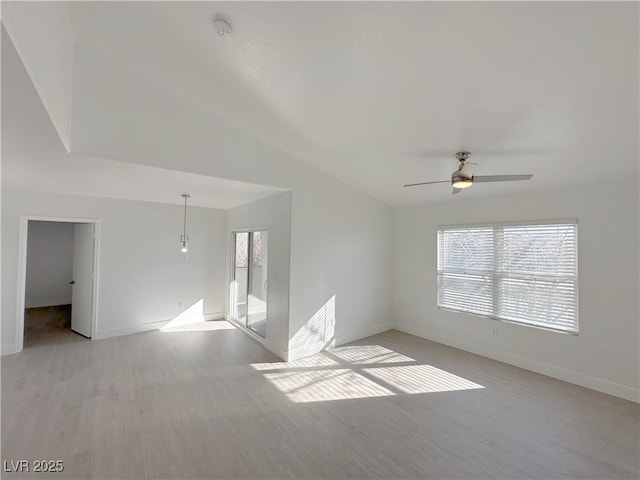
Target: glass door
<point>240,275</point>
<point>249,289</point>
<point>257,284</point>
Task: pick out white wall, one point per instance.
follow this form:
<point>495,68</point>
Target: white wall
<point>340,263</point>
<point>142,275</point>
<point>274,215</point>
<point>49,264</point>
<point>605,355</point>
<point>340,268</point>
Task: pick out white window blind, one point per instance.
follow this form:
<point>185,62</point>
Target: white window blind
<point>520,273</point>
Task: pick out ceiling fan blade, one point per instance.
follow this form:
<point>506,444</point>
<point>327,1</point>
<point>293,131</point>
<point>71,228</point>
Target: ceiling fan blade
<point>456,190</point>
<point>466,170</point>
<point>501,178</point>
<point>426,183</point>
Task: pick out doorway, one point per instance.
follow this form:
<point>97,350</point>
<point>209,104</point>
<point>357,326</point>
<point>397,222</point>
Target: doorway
<point>249,295</point>
<point>57,279</point>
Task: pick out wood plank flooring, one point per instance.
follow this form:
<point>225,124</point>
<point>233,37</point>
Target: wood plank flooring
<point>212,403</point>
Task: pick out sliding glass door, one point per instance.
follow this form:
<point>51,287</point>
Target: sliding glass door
<point>240,276</point>
<point>249,290</point>
<point>257,283</point>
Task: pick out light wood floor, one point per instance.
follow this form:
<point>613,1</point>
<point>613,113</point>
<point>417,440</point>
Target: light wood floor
<point>212,403</point>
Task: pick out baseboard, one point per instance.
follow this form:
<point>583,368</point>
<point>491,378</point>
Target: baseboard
<point>309,349</point>
<point>130,330</point>
<point>353,336</point>
<point>146,327</point>
<point>316,347</point>
<point>8,349</point>
<point>571,376</point>
<point>278,352</point>
<point>47,302</point>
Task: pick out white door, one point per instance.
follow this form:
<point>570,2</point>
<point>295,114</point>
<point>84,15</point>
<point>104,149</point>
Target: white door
<point>82,292</point>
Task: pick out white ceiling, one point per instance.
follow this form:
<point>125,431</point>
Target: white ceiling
<point>35,159</point>
<point>379,94</point>
<point>98,177</point>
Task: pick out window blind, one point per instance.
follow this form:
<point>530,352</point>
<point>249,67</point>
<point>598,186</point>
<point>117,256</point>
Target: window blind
<point>520,273</point>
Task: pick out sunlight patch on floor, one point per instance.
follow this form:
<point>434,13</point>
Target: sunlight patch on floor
<point>323,385</point>
<point>366,354</point>
<point>358,371</point>
<point>313,361</point>
<point>421,379</point>
<point>200,326</point>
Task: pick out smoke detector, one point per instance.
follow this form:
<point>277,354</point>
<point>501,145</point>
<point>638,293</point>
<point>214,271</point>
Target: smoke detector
<point>223,28</point>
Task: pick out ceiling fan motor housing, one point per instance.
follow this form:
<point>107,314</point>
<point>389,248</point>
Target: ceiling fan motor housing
<point>458,178</point>
<point>462,156</point>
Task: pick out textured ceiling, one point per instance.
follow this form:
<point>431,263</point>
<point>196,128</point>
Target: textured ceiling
<point>379,94</point>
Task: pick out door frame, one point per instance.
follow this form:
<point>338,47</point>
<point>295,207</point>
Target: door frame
<point>23,233</point>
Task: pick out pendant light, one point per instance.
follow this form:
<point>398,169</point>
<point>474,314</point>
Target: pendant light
<point>184,238</point>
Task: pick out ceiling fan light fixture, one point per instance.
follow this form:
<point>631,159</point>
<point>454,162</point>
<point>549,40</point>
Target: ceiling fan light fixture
<point>461,182</point>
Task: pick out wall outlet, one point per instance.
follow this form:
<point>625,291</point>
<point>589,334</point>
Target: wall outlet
<point>180,305</point>
<point>494,331</point>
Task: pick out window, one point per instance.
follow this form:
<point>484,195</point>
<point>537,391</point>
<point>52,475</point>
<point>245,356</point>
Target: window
<point>257,249</point>
<point>521,273</point>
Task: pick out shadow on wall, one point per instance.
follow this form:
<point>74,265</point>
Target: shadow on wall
<point>317,334</point>
<point>360,371</point>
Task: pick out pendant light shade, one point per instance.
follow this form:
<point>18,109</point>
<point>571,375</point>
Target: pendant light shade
<point>184,238</point>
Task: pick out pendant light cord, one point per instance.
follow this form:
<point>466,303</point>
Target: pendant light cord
<point>184,228</point>
<point>184,225</point>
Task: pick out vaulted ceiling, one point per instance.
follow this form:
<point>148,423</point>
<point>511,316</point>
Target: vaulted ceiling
<point>34,158</point>
<point>377,94</point>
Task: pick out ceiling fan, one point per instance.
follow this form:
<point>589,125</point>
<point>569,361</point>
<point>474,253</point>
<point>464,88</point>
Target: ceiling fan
<point>463,177</point>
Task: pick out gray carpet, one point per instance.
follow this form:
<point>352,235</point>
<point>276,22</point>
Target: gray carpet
<point>44,325</point>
